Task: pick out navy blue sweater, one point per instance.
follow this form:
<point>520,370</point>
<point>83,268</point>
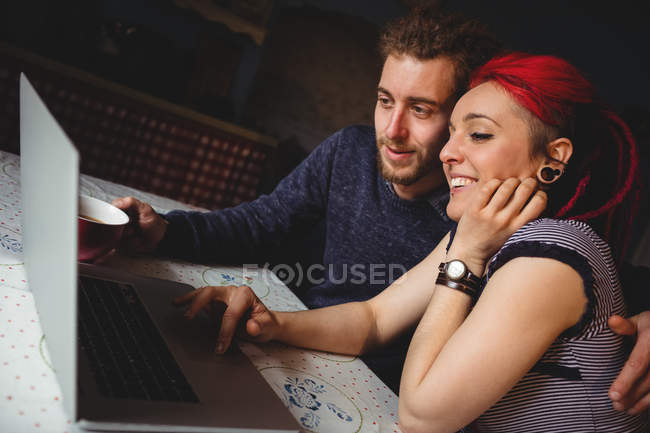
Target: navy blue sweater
<point>370,236</point>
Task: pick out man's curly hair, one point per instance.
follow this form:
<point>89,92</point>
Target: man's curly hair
<point>427,33</point>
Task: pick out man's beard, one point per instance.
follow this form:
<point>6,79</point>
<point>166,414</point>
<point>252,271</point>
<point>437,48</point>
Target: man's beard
<point>419,168</point>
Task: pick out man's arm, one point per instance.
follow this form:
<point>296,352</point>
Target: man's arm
<point>245,233</point>
<point>631,389</point>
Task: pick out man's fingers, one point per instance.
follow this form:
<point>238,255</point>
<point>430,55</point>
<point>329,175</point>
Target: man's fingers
<point>640,405</point>
<point>635,398</point>
<point>621,325</point>
<point>122,202</point>
<point>241,301</point>
<point>129,205</point>
<point>146,214</point>
<point>623,389</point>
<point>139,212</point>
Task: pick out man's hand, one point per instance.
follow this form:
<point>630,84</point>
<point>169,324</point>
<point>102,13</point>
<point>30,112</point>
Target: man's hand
<point>145,229</point>
<point>631,389</point>
<point>242,306</point>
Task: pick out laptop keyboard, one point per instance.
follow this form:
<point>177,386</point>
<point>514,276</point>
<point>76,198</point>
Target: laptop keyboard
<point>128,357</point>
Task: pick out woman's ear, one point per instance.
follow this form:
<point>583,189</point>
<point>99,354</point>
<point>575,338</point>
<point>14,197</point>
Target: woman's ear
<point>559,152</point>
<point>560,149</point>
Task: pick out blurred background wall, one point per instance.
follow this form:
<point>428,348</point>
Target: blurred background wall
<point>298,70</point>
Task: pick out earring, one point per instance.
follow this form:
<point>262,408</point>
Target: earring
<point>548,174</point>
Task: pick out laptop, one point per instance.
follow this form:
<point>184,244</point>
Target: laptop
<point>125,357</point>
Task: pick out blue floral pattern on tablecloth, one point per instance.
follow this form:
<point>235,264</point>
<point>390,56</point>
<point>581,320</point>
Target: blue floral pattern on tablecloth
<point>11,244</point>
<point>227,279</point>
<point>310,420</point>
<point>303,394</point>
<point>214,277</point>
<point>308,394</point>
<point>339,412</point>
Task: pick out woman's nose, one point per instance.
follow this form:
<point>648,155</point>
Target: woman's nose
<point>449,152</point>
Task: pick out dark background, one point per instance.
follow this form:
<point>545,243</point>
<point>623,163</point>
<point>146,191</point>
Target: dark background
<point>316,69</point>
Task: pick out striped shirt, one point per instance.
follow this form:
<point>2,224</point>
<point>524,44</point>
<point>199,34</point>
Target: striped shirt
<point>566,391</point>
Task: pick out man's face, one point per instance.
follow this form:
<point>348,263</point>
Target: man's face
<point>414,102</point>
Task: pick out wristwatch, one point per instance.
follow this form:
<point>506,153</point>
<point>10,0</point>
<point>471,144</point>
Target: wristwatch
<point>454,274</point>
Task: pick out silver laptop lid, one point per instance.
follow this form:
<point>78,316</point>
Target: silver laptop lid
<point>49,177</point>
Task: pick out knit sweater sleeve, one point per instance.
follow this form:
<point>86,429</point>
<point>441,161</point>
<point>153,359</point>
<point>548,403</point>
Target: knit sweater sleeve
<point>249,231</point>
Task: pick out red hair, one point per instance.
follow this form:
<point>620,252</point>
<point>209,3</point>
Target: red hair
<point>601,183</point>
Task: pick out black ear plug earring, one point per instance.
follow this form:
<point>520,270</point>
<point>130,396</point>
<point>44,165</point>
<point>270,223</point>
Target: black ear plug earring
<point>548,174</point>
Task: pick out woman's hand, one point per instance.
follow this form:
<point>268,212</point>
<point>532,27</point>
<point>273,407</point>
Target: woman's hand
<point>498,209</point>
<point>242,306</point>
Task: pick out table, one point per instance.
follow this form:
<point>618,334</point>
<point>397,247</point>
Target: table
<point>325,392</point>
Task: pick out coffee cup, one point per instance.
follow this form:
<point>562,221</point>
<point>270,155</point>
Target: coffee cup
<point>100,228</point>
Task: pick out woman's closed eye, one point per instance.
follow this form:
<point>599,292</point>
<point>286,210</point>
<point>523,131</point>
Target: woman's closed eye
<point>479,136</point>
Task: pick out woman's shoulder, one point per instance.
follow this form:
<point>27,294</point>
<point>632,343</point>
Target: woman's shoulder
<point>575,235</point>
<point>571,242</point>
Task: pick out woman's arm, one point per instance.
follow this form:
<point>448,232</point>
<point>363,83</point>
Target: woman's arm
<point>352,328</point>
<point>459,367</point>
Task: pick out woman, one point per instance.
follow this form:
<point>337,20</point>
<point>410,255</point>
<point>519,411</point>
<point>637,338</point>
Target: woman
<point>549,289</point>
<point>513,330</point>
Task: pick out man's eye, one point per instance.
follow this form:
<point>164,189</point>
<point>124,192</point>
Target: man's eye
<point>477,136</point>
<point>384,101</point>
<point>420,110</point>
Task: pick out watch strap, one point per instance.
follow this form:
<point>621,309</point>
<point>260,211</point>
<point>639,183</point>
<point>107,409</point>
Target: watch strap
<point>456,285</point>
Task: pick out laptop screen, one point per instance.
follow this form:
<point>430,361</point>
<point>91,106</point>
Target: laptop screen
<point>49,177</point>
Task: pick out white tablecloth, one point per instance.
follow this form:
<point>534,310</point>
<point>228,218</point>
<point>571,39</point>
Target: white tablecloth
<point>325,392</point>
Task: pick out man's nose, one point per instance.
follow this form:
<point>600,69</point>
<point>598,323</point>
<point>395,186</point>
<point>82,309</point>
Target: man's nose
<point>397,128</point>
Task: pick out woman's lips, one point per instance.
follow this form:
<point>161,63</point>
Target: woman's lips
<point>459,183</point>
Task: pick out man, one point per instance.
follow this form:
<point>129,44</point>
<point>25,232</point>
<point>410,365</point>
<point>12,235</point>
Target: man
<point>380,192</point>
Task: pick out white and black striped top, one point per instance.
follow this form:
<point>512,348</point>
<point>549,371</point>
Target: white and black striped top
<point>566,391</point>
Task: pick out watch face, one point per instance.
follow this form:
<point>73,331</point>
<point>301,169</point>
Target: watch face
<point>455,269</point>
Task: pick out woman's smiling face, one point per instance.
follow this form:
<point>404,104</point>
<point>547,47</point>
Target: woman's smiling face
<point>488,138</point>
